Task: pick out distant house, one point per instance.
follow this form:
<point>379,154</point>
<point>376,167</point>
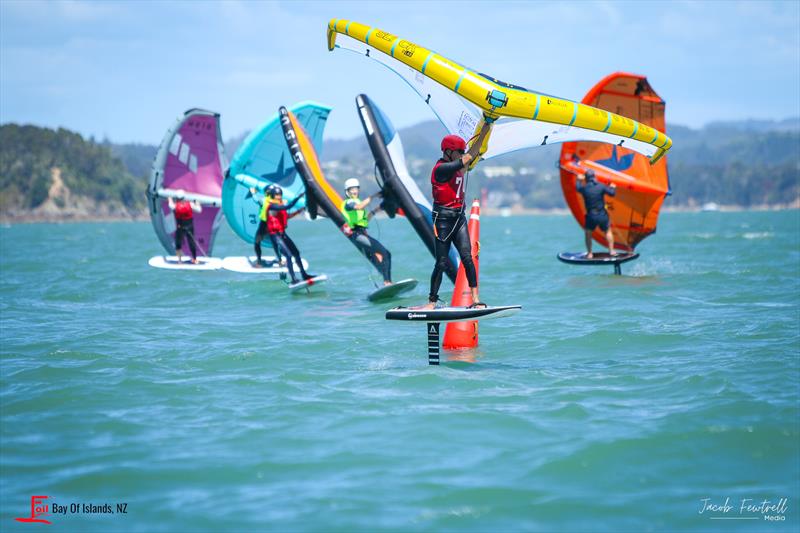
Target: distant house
<point>499,171</point>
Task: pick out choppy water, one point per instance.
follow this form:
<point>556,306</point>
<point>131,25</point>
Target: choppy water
<point>215,401</point>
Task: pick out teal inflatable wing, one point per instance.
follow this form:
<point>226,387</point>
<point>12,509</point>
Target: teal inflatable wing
<point>263,159</point>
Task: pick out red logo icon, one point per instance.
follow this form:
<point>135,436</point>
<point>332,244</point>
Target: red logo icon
<point>38,508</point>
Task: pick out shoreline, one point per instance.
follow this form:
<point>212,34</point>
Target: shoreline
<point>50,219</point>
<point>493,211</point>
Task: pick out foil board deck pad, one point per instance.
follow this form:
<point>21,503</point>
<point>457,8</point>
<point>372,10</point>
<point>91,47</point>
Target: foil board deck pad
<point>171,262</point>
<point>247,265</point>
<point>602,258</point>
<point>307,283</point>
<point>450,314</point>
<point>390,291</point>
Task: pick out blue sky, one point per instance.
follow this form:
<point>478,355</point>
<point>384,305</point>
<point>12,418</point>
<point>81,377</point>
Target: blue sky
<point>125,70</point>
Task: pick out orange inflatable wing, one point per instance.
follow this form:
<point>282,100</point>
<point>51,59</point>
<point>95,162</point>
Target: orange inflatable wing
<point>641,187</point>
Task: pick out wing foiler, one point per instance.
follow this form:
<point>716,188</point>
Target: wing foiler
<point>641,187</point>
<point>190,159</point>
<point>496,117</point>
<point>320,195</point>
<point>400,192</point>
<point>264,159</point>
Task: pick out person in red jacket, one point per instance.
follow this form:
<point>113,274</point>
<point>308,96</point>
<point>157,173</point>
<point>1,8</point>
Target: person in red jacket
<point>449,222</point>
<point>184,222</point>
<point>274,218</point>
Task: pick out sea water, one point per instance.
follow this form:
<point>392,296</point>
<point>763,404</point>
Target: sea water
<point>663,399</point>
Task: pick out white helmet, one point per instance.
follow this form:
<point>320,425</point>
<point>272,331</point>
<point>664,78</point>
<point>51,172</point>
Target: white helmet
<point>180,194</point>
<point>352,182</point>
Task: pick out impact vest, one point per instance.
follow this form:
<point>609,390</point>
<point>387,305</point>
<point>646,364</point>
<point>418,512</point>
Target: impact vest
<point>355,217</point>
<point>450,193</point>
<point>276,221</point>
<point>183,210</point>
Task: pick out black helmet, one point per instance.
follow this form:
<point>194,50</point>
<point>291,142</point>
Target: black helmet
<point>274,190</point>
<point>590,174</point>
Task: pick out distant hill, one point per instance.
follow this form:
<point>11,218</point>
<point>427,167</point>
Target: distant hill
<point>137,158</point>
<point>58,174</point>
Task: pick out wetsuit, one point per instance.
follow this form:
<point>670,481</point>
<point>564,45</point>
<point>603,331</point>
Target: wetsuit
<point>593,198</point>
<point>274,219</point>
<point>358,222</point>
<point>185,226</point>
<point>449,222</point>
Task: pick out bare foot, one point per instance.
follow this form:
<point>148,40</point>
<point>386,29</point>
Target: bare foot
<point>258,264</point>
<point>387,283</point>
<point>613,253</point>
<point>194,261</point>
<point>429,306</point>
<point>589,255</point>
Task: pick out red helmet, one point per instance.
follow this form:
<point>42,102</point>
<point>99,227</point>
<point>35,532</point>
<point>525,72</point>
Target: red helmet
<point>453,142</point>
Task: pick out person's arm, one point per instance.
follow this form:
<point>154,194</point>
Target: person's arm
<point>364,203</point>
<point>286,207</point>
<point>612,190</point>
<point>445,171</point>
<point>580,183</point>
<point>253,192</point>
<point>297,213</point>
<point>171,203</point>
<point>351,205</point>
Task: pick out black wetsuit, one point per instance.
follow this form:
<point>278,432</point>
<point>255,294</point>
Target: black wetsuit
<point>285,246</point>
<point>450,226</point>
<point>185,227</point>
<point>370,246</point>
<point>594,199</point>
<point>281,243</point>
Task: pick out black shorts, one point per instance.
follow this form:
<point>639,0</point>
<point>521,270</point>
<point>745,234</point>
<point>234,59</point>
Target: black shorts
<point>595,219</point>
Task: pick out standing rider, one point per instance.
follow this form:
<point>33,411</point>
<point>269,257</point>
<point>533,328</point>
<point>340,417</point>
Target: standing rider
<point>274,219</point>
<point>357,221</point>
<point>449,222</point>
<point>593,194</point>
<point>184,221</point>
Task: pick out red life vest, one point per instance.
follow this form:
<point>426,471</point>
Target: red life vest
<point>183,210</point>
<point>450,193</point>
<point>277,221</point>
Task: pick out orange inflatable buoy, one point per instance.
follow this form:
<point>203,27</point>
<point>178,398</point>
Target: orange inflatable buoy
<point>465,334</point>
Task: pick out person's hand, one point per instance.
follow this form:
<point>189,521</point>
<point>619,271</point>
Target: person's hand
<point>252,190</point>
<point>465,159</point>
<point>613,185</point>
<point>581,177</point>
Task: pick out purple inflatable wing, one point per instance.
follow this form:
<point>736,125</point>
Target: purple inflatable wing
<point>191,159</point>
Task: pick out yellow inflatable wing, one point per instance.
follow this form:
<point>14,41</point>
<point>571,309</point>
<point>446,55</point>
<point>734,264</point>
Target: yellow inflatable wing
<point>465,100</point>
